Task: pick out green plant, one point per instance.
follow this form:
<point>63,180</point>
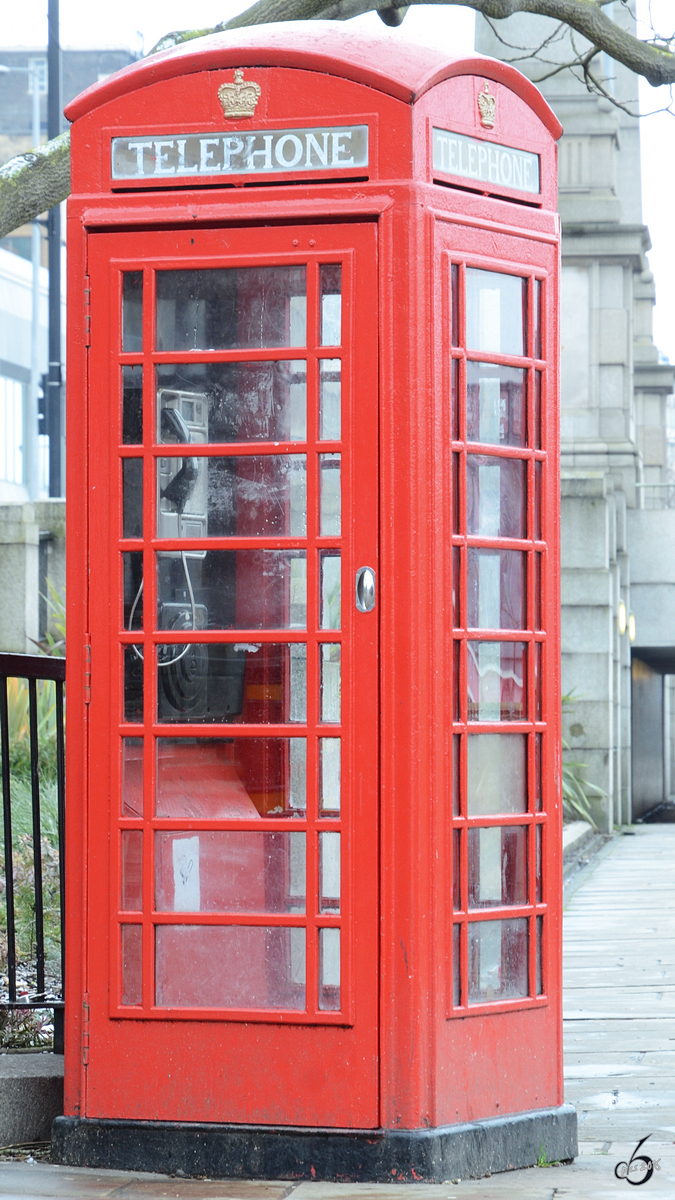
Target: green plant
<point>24,884</point>
<point>49,644</point>
<point>543,1161</point>
<point>26,1027</point>
<point>19,728</point>
<point>30,1027</point>
<point>576,789</point>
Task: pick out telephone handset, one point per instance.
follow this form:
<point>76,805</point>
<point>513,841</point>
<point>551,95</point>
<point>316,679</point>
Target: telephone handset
<point>195,682</point>
<point>199,682</point>
<point>182,485</point>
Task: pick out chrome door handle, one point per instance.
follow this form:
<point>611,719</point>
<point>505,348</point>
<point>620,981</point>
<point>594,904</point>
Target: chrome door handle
<point>365,589</point>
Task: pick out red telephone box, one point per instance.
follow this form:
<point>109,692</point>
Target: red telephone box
<point>314,821</point>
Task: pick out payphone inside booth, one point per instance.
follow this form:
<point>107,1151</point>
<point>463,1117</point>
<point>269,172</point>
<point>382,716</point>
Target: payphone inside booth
<point>314,829</point>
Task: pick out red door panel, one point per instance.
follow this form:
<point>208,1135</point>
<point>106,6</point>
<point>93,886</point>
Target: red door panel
<point>232,845</point>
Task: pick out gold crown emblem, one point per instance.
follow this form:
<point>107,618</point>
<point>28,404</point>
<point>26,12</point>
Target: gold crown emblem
<point>487,106</point>
<point>239,99</point>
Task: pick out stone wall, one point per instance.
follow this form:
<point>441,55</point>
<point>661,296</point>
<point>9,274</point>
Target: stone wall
<point>32,557</point>
<point>617,528</point>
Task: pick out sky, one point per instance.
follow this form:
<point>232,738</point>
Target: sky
<point>139,24</point>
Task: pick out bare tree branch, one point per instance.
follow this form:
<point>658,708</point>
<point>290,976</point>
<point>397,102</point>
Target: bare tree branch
<point>530,52</point>
<point>654,60</point>
<point>34,182</point>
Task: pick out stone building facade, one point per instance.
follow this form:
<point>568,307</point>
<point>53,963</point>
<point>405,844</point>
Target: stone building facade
<point>618,529</point>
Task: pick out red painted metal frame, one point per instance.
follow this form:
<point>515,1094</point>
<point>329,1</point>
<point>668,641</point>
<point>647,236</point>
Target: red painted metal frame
<point>437,1065</point>
<point>311,446</point>
<point>533,635</point>
<point>255,1040</point>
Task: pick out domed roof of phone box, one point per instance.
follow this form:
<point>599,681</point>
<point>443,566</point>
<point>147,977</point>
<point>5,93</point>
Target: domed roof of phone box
<point>389,64</point>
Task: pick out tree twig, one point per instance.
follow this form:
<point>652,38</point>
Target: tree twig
<point>34,182</point>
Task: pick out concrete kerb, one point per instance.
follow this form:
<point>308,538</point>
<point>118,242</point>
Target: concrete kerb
<point>31,1095</point>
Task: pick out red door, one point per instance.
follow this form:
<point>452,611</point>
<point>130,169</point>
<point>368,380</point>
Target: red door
<point>232,809</point>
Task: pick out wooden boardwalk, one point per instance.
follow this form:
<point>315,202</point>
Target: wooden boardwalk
<point>619,991</point>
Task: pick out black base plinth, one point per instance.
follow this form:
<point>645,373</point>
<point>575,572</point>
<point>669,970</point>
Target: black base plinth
<point>348,1155</point>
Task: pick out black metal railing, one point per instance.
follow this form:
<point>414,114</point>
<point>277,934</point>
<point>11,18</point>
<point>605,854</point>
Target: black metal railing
<point>46,993</point>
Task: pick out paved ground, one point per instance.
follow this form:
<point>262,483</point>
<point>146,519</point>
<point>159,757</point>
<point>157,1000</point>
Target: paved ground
<point>591,1177</point>
<point>619,997</point>
<point>620,1059</point>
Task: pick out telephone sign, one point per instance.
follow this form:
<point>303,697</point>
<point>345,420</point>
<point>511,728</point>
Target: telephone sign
<point>314,828</point>
<point>255,152</point>
<point>455,154</point>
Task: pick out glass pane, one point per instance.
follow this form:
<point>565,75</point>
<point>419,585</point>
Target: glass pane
<point>456,587</point>
<point>539,956</point>
<point>537,501</point>
<point>537,411</point>
<point>538,800</point>
<point>496,589</point>
<point>331,494</point>
<point>497,866</point>
<point>496,683</point>
<point>230,871</point>
<point>230,778</point>
<point>244,683</point>
<point>454,304</point>
<point>331,304</point>
<point>495,312</point>
<point>133,683</point>
<point>132,777</point>
<point>538,886</point>
<point>497,960</point>
<point>297,683</point>
<point>538,679</point>
<point>254,496</point>
<point>232,308</point>
<point>132,571</point>
<point>329,970</point>
<point>454,399</point>
<point>537,318</point>
<point>455,774</point>
<point>454,493</point>
<point>132,405</point>
<point>230,966</point>
<point>495,404</point>
<point>497,773</point>
<point>456,682</point>
<point>132,964</point>
<point>330,399</point>
<point>235,402</point>
<point>456,989</point>
<point>329,873</point>
<point>132,497</point>
<point>232,589</point>
<point>496,496</point>
<point>331,589</point>
<point>132,870</point>
<point>331,681</point>
<point>329,750</point>
<point>132,312</point>
<point>537,592</point>
<point>456,870</point>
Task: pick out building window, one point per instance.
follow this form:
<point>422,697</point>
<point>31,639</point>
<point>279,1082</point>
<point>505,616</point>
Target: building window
<point>11,430</point>
<point>37,66</point>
